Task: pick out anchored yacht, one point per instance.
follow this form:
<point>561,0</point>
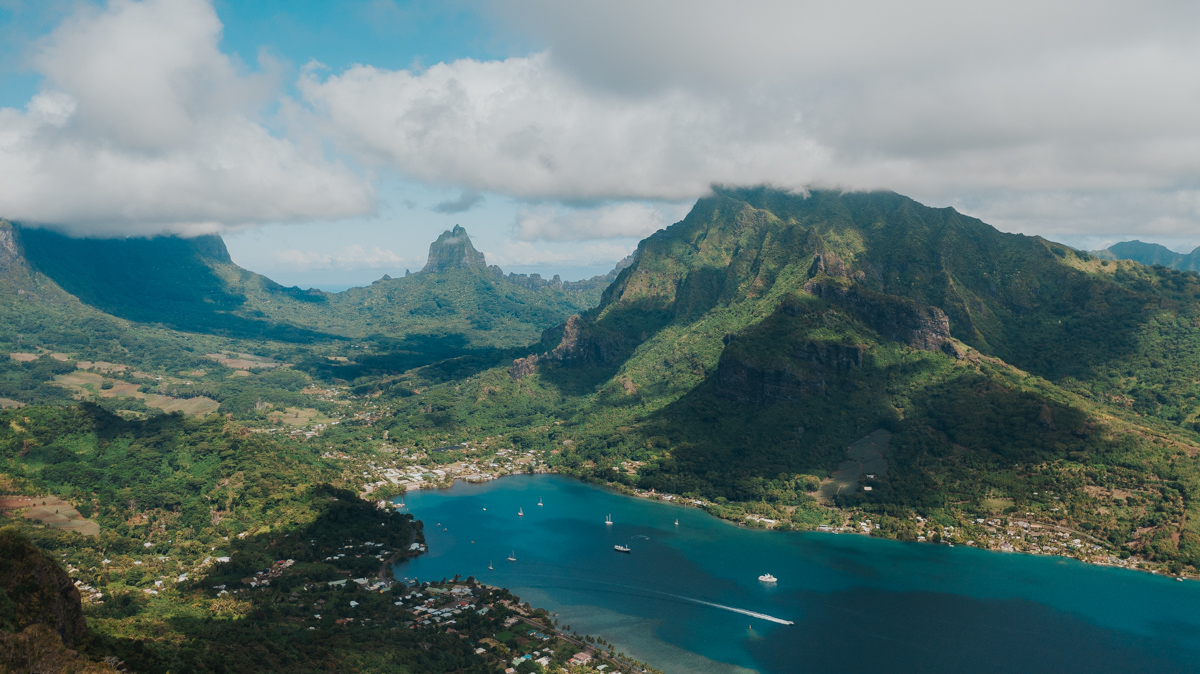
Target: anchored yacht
<point>513,556</point>
<point>621,548</point>
<point>768,578</point>
<point>608,519</point>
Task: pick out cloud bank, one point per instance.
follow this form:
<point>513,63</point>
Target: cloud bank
<point>462,204</point>
<point>1062,119</point>
<point>630,219</point>
<point>1067,118</point>
<point>144,126</point>
<point>351,257</point>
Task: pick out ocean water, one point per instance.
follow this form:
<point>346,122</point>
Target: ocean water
<point>683,598</point>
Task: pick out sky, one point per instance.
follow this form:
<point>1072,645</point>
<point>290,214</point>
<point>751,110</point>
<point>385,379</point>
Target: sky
<point>330,143</point>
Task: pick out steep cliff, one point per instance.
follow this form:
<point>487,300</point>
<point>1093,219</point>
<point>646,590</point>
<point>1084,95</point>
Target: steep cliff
<point>453,250</point>
<point>35,590</point>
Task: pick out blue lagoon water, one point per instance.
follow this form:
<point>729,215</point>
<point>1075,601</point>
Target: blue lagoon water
<point>858,603</point>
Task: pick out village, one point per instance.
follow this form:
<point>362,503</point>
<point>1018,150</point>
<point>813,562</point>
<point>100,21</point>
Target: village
<point>495,623</point>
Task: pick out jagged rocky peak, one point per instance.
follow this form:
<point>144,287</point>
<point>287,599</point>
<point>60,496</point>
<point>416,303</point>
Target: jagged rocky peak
<point>8,244</point>
<point>453,250</point>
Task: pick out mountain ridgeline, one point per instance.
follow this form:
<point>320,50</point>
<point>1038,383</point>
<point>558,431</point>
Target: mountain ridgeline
<point>749,344</point>
<point>456,305</point>
<point>1151,254</point>
<point>737,355</point>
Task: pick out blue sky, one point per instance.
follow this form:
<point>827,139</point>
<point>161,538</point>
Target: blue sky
<point>329,143</point>
<point>384,33</point>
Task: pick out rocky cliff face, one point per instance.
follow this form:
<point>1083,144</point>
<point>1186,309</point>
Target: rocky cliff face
<point>895,318</point>
<point>576,346</point>
<point>8,245</point>
<point>453,250</point>
<point>38,590</point>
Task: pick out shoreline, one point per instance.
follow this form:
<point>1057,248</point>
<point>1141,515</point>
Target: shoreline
<point>700,504</point>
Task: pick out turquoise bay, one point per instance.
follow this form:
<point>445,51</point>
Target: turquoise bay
<point>681,598</point>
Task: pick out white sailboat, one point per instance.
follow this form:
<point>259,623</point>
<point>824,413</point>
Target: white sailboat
<point>539,502</point>
<point>608,519</point>
<point>676,522</point>
<point>520,512</point>
<point>490,564</point>
<point>513,556</point>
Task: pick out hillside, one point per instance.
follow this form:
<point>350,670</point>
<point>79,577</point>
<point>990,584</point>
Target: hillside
<point>167,280</point>
<point>193,285</point>
<point>1151,254</point>
<point>221,562</point>
<point>750,344</point>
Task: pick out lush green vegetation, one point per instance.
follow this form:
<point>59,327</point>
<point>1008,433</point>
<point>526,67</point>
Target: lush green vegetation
<point>748,345</point>
<point>196,287</point>
<point>172,495</point>
<point>736,359</point>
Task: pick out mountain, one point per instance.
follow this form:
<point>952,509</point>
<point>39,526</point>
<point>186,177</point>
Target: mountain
<point>453,250</point>
<point>192,284</point>
<point>750,344</point>
<point>1151,254</point>
<point>456,296</point>
<point>167,280</point>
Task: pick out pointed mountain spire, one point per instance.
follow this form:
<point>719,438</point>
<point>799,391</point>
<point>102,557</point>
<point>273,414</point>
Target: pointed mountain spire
<point>453,250</point>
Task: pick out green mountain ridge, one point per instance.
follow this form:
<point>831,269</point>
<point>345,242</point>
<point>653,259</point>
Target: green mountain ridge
<point>1151,254</point>
<point>821,358</point>
<point>193,285</point>
<point>750,343</point>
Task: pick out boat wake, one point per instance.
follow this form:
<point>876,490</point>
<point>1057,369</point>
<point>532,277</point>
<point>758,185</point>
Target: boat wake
<point>612,588</point>
<point>752,614</point>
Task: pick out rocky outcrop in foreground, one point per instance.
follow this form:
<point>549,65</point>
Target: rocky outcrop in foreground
<point>39,590</point>
<point>41,617</point>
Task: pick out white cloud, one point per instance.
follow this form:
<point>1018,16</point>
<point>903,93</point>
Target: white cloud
<point>462,204</point>
<point>1079,104</point>
<point>628,219</point>
<point>349,258</point>
<point>524,128</point>
<point>527,254</point>
<point>1069,118</point>
<point>144,126</point>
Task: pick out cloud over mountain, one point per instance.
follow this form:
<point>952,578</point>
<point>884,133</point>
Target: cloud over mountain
<point>1059,119</point>
<point>526,128</point>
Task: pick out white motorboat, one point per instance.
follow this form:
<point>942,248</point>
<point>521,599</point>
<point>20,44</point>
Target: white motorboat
<point>768,578</point>
<point>621,548</point>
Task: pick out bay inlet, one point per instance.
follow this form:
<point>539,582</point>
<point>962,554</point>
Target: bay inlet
<point>687,598</point>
